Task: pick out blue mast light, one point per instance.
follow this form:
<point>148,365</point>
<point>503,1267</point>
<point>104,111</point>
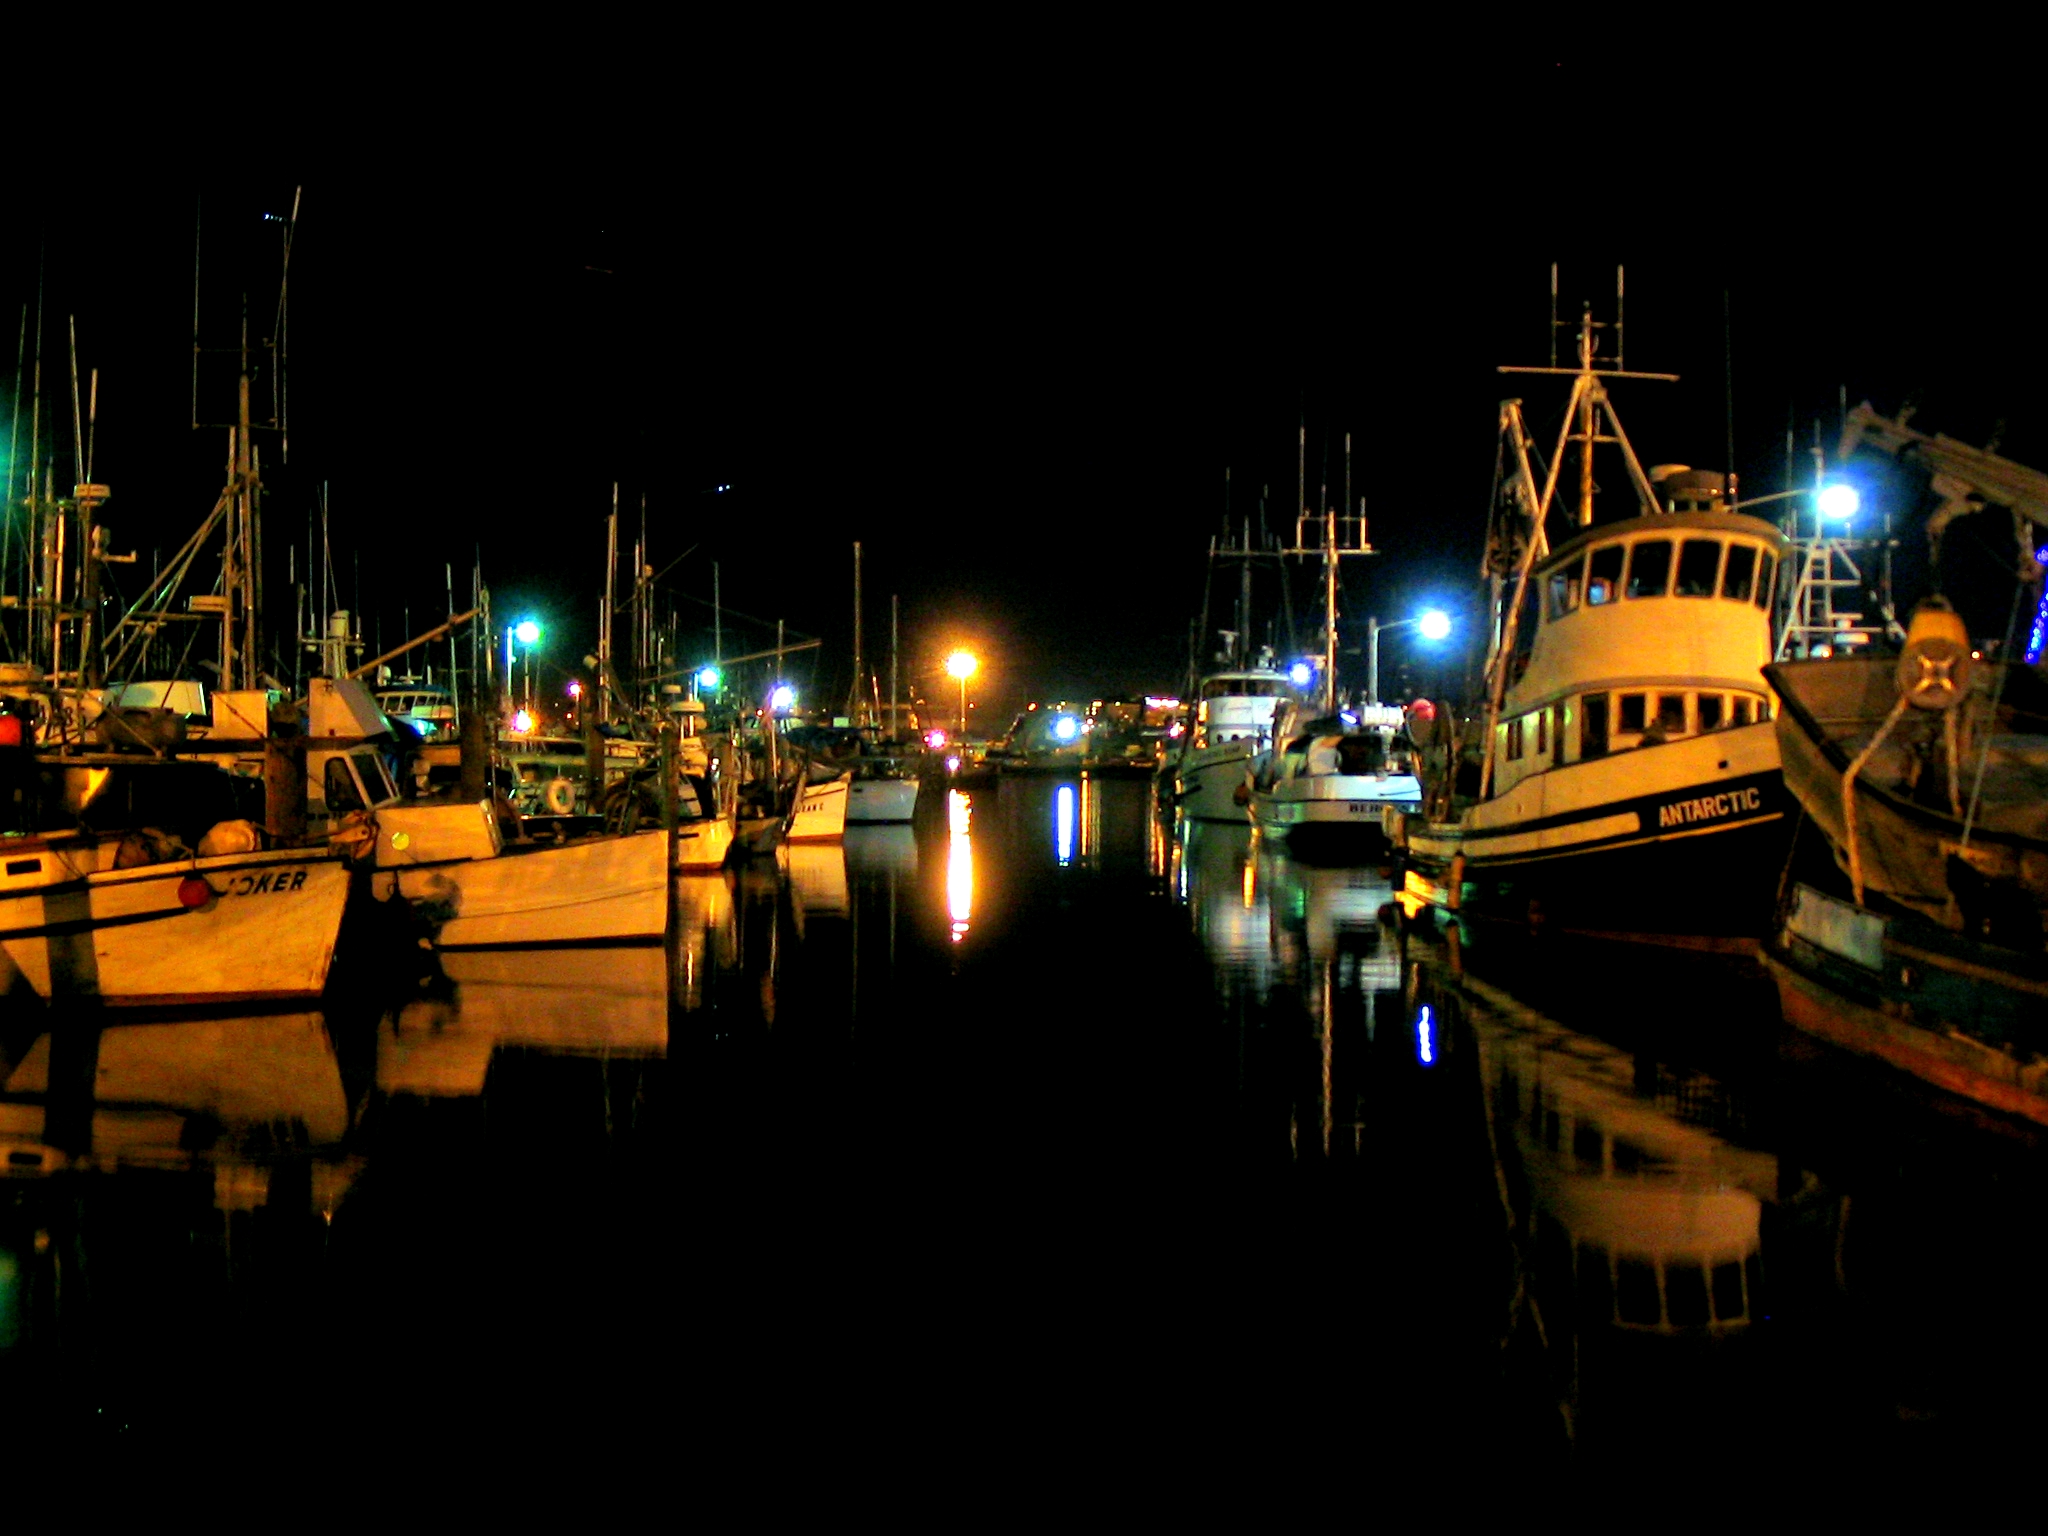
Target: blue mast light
<point>1839,502</point>
<point>1435,624</point>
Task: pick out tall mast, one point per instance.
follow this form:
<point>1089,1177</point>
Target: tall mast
<point>604,628</point>
<point>893,719</point>
<point>856,708</point>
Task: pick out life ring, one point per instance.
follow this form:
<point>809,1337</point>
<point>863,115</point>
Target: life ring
<point>560,796</point>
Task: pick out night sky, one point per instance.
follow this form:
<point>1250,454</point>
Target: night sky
<point>1009,333</point>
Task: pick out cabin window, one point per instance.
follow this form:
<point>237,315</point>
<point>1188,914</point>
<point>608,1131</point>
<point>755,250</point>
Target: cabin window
<point>1593,726</point>
<point>1564,590</point>
<point>1542,732</point>
<point>1631,719</point>
<point>1740,576</point>
<point>1685,1296</point>
<point>1635,1293</point>
<point>1603,574</point>
<point>1699,568</point>
<point>1763,579</point>
<point>1741,710</point>
<point>1649,568</point>
<point>1727,1283</point>
<point>1712,708</point>
<point>1514,733</point>
<point>1671,713</point>
<point>342,795</point>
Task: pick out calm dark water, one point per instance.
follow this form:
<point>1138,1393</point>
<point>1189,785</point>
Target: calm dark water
<point>1030,1144</point>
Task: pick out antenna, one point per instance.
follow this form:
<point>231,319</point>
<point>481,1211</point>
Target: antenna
<point>1620,292</point>
<point>1553,314</point>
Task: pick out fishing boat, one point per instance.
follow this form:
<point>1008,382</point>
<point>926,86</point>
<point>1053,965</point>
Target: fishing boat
<point>1625,780</point>
<point>1330,778</point>
<point>1234,718</point>
<point>141,885</point>
<point>1927,777</point>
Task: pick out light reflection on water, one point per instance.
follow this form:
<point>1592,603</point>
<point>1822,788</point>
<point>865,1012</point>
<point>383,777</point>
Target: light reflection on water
<point>1434,1157</point>
<point>959,862</point>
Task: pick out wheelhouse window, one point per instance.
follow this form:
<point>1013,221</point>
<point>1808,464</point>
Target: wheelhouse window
<point>1765,572</point>
<point>1742,710</point>
<point>1739,579</point>
<point>1630,717</point>
<point>1603,574</point>
<point>1699,568</point>
<point>1713,709</point>
<point>340,785</point>
<point>1542,732</point>
<point>1514,734</point>
<point>1564,590</point>
<point>1649,568</point>
<point>1671,713</point>
<point>1593,725</point>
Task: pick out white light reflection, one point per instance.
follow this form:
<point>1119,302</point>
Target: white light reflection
<point>1425,1037</point>
<point>1063,821</point>
<point>959,864</point>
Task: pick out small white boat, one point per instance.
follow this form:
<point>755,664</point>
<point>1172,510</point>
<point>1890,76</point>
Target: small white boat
<point>879,799</point>
<point>1333,788</point>
<point>240,927</point>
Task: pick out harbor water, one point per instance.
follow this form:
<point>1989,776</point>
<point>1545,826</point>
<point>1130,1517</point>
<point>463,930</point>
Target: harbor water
<point>1040,1141</point>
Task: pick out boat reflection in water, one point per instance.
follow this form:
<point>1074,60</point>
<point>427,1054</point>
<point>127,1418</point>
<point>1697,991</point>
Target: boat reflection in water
<point>1639,1230</point>
<point>610,1002</point>
<point>817,878</point>
<point>883,853</point>
<point>233,1095</point>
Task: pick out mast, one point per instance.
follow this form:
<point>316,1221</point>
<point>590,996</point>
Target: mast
<point>856,708</point>
<point>893,718</point>
<point>604,627</point>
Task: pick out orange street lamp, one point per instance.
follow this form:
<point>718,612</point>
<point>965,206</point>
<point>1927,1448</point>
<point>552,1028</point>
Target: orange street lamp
<point>961,664</point>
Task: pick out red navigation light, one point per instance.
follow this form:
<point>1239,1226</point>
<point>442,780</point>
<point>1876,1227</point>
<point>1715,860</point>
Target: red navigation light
<point>194,892</point>
<point>1422,709</point>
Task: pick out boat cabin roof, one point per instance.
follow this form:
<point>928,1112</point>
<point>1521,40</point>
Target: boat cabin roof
<point>1662,525</point>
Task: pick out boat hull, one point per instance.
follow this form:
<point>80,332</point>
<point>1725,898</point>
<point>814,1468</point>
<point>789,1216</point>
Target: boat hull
<point>1683,847</point>
<point>706,843</point>
<point>820,812</point>
<point>881,801</point>
<point>1334,812</point>
<point>603,890</point>
<point>1889,1017</point>
<point>265,933</point>
<point>1206,785</point>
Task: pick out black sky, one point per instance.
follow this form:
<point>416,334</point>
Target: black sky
<point>1008,329</point>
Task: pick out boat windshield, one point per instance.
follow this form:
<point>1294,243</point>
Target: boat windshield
<point>1244,688</point>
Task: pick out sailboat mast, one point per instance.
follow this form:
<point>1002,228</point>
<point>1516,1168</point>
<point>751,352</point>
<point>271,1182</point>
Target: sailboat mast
<point>856,707</point>
<point>893,718</point>
<point>604,628</point>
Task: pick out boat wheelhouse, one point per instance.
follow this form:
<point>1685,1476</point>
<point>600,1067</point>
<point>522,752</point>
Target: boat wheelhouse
<point>1234,714</point>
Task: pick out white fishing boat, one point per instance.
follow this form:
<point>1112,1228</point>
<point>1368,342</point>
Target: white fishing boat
<point>1234,716</point>
<point>452,863</point>
<point>1323,790</point>
<point>138,920</point>
<point>1627,778</point>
